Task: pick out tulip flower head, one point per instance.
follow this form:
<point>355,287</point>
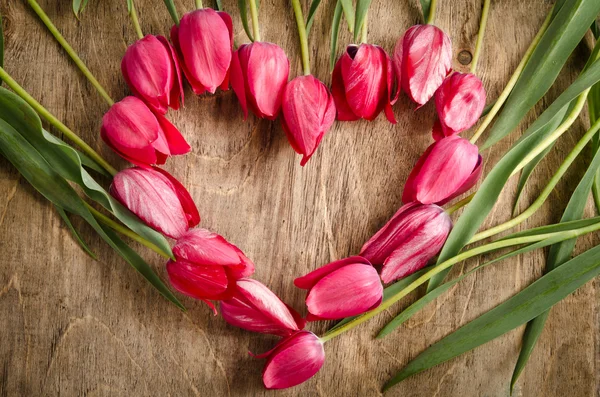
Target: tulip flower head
<point>448,168</point>
<point>139,136</point>
<point>151,70</point>
<point>341,289</point>
<point>259,74</point>
<point>308,113</point>
<point>363,84</point>
<point>256,308</point>
<point>422,59</point>
<point>459,103</point>
<point>204,43</point>
<point>207,266</point>
<point>293,360</point>
<point>406,243</point>
<point>157,198</point>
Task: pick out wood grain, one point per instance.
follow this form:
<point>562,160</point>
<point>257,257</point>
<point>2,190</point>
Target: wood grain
<point>73,326</point>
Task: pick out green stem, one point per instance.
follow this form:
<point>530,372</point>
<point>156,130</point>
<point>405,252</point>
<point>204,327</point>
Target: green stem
<point>547,190</point>
<point>365,28</point>
<point>436,270</point>
<point>42,111</point>
<point>460,204</point>
<point>199,4</point>
<point>254,16</point>
<point>124,231</point>
<point>432,10</point>
<point>513,80</point>
<point>135,21</point>
<point>172,11</point>
<point>480,35</point>
<point>303,37</point>
<point>46,20</point>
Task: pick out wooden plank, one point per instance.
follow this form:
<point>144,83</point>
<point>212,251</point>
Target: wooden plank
<point>72,326</point>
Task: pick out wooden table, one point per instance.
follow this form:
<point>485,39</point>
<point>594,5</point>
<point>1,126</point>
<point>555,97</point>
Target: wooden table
<point>74,326</point>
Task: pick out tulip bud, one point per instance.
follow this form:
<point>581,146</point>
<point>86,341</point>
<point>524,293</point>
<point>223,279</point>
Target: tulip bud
<point>259,74</point>
<point>293,360</point>
<point>140,136</point>
<point>459,102</point>
<point>308,113</point>
<point>204,43</point>
<point>256,308</point>
<point>362,84</point>
<point>151,70</point>
<point>448,168</point>
<point>207,266</point>
<point>341,289</point>
<point>414,235</point>
<point>422,59</point>
<point>157,198</point>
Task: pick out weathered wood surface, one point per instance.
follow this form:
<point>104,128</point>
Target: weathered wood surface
<point>73,326</point>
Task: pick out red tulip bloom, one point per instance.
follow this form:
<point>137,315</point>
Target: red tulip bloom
<point>157,198</point>
<point>139,136</point>
<point>406,243</point>
<point>448,168</point>
<point>256,308</point>
<point>308,113</point>
<point>459,103</point>
<point>204,43</point>
<point>259,74</point>
<point>151,70</point>
<point>363,84</point>
<point>293,360</point>
<point>207,266</point>
<point>341,289</point>
<point>422,59</point>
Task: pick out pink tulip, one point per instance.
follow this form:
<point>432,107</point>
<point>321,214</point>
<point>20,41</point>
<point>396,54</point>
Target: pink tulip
<point>259,74</point>
<point>448,168</point>
<point>293,360</point>
<point>308,113</point>
<point>341,289</point>
<point>422,59</point>
<point>151,70</point>
<point>363,84</point>
<point>139,136</point>
<point>204,42</point>
<point>207,266</point>
<point>256,308</point>
<point>406,243</point>
<point>459,102</point>
<point>157,198</point>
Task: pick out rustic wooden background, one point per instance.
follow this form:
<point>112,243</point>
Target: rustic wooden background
<point>73,326</point>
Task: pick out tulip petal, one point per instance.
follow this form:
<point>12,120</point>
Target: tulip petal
<point>348,291</point>
<point>244,269</point>
<point>199,282</point>
<point>177,90</point>
<point>338,91</point>
<point>238,79</point>
<point>469,183</point>
<point>176,142</point>
<point>309,281</point>
<point>227,19</point>
<point>294,360</point>
<point>130,124</point>
<point>189,207</point>
<point>141,157</point>
<point>206,248</point>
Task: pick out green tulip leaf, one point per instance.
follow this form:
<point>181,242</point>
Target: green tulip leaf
<point>335,32</point>
<point>314,5</point>
<point>172,11</point>
<point>219,5</point>
<point>243,7</point>
<point>426,8</point>
<point>74,232</point>
<point>79,6</point>
<point>362,7</point>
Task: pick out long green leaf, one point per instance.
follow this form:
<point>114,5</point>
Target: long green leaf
<point>554,228</point>
<point>558,42</point>
<point>314,5</point>
<point>79,6</point>
<point>558,254</point>
<point>362,6</point>
<point>172,11</point>
<point>349,13</point>
<point>1,45</point>
<point>594,114</point>
<point>489,191</point>
<point>335,32</point>
<point>219,5</point>
<point>66,162</point>
<point>243,7</point>
<point>527,304</point>
<point>426,8</point>
<point>74,232</point>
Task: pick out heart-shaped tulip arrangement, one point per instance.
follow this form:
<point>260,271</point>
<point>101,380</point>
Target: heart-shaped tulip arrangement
<point>366,81</point>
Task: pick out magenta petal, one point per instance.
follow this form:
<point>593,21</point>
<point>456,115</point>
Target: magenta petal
<point>189,207</point>
<point>177,90</point>
<point>130,124</point>
<point>469,183</point>
<point>348,291</point>
<point>199,282</point>
<point>338,91</point>
<point>237,78</point>
<point>203,247</point>
<point>244,269</point>
<point>293,361</point>
<point>309,281</point>
<point>175,140</point>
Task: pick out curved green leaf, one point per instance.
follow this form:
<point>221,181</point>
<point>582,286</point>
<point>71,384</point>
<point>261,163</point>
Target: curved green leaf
<point>560,39</point>
<point>243,7</point>
<point>74,232</point>
<point>558,254</point>
<point>349,13</point>
<point>219,5</point>
<point>426,8</point>
<point>1,45</point>
<point>78,7</point>
<point>335,30</point>
<point>528,170</point>
<point>172,11</point>
<point>557,227</point>
<point>527,304</point>
<point>311,15</point>
<point>362,6</point>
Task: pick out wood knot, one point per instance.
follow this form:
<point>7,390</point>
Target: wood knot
<point>465,57</point>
